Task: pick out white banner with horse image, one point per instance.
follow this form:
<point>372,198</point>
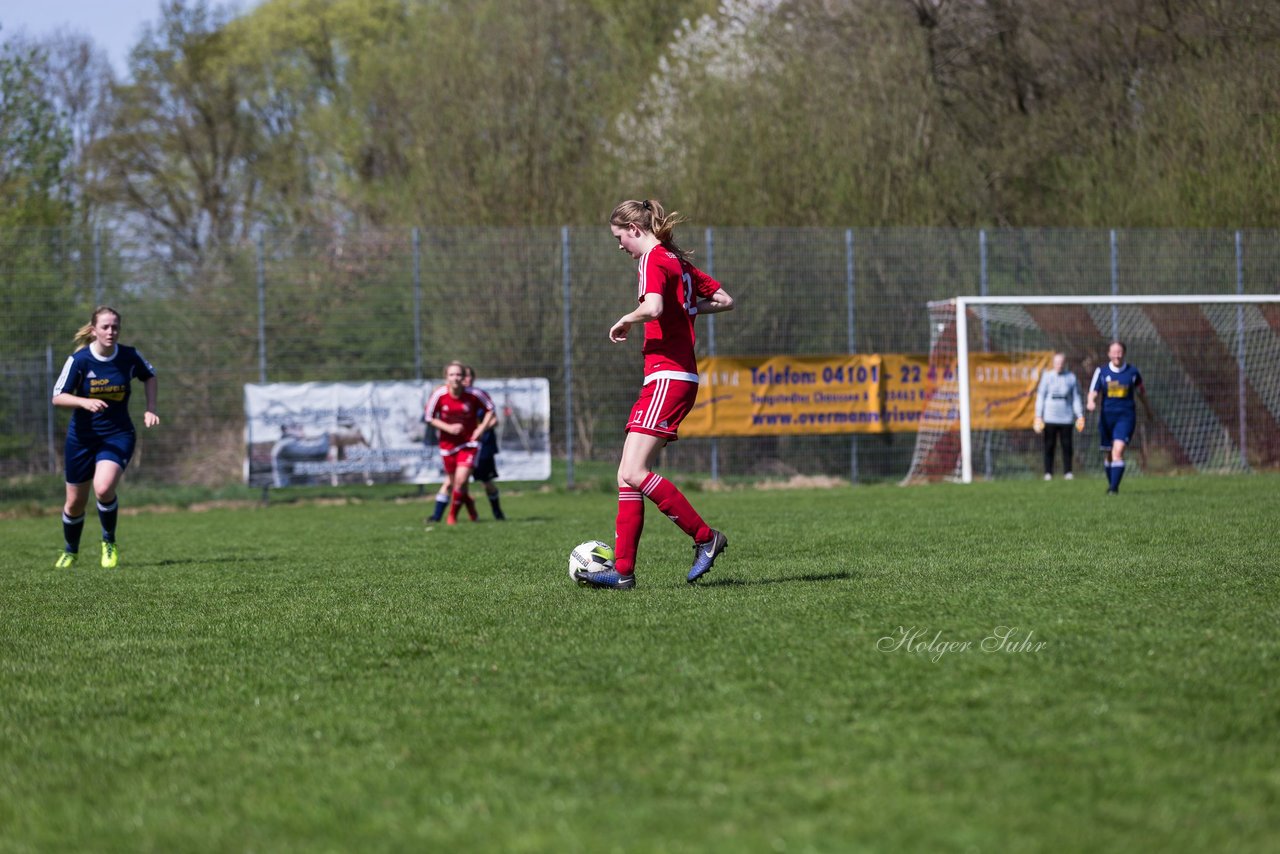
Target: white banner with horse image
<point>317,433</point>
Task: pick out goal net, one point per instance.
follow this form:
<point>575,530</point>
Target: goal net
<point>1210,366</point>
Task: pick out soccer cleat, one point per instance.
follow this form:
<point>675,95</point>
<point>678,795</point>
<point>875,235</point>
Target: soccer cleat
<point>1067,476</point>
<point>110,555</point>
<point>66,560</point>
<point>607,579</point>
<point>705,554</point>
<point>451,519</point>
<point>1113,492</point>
<point>1048,476</point>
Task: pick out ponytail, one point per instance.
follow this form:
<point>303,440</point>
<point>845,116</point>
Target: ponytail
<point>648,215</point>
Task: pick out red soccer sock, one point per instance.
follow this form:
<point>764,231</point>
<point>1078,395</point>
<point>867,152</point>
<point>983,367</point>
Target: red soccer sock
<point>626,535</point>
<point>675,506</point>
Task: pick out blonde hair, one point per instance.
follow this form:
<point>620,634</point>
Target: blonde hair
<point>451,364</point>
<point>648,215</point>
<point>84,335</point>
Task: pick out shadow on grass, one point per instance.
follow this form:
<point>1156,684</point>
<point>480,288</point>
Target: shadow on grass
<point>786,579</point>
<point>510,522</point>
<point>194,561</point>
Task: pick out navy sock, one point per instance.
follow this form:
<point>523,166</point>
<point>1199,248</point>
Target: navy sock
<point>495,505</point>
<point>442,504</point>
<point>1117,472</point>
<point>107,514</point>
<point>71,531</point>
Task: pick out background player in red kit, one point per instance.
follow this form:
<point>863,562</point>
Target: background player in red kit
<point>671,293</point>
<point>456,414</point>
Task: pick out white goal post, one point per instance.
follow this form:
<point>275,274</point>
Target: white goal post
<point>1264,321</point>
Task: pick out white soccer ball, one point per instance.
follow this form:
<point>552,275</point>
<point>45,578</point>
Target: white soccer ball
<point>591,556</point>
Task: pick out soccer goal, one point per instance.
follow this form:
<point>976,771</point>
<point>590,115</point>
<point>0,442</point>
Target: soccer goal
<point>1210,365</point>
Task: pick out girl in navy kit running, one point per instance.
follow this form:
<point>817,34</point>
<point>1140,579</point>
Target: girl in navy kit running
<point>1113,389</point>
<point>672,292</point>
<point>95,382</point>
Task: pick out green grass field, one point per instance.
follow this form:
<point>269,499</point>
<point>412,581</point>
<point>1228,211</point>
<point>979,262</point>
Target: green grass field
<point>338,677</point>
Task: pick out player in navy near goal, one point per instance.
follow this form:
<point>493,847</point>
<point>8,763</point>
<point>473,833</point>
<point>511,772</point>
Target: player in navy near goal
<point>486,468</point>
<point>1112,390</point>
<point>1058,407</point>
<point>671,293</point>
<point>95,382</point>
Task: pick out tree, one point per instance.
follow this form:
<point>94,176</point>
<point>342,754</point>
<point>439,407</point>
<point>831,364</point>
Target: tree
<point>34,143</point>
<point>1036,112</point>
<point>77,78</point>
<point>1087,113</point>
<point>791,113</point>
<point>487,117</point>
<point>177,153</point>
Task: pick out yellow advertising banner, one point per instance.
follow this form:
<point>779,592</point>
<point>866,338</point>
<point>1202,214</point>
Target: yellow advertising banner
<point>860,393</point>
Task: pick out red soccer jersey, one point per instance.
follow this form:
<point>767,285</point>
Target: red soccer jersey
<point>669,340</point>
<point>467,410</point>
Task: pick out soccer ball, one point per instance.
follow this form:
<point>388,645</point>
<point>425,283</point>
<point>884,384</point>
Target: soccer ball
<point>591,556</point>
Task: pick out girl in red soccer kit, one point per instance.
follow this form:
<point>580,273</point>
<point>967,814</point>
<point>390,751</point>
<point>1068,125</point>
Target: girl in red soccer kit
<point>672,292</point>
<point>457,414</point>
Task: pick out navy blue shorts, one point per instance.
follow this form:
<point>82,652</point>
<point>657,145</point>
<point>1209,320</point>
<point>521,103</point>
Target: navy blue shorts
<point>1114,428</point>
<point>80,456</point>
<point>486,468</point>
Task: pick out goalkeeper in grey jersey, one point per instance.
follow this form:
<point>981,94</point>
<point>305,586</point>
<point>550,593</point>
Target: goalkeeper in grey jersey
<point>1058,405</point>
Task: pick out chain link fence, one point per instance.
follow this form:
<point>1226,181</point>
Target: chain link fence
<point>399,304</point>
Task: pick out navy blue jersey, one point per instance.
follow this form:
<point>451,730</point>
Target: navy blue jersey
<point>489,441</point>
<point>1116,388</point>
<point>88,375</point>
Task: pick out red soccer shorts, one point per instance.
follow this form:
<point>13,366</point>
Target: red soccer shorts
<point>463,457</point>
<point>661,407</point>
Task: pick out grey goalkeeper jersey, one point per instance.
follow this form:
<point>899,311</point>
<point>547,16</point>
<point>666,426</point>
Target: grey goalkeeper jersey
<point>1058,399</point>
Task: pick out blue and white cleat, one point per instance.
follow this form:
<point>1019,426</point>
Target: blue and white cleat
<point>705,554</point>
<point>607,579</point>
